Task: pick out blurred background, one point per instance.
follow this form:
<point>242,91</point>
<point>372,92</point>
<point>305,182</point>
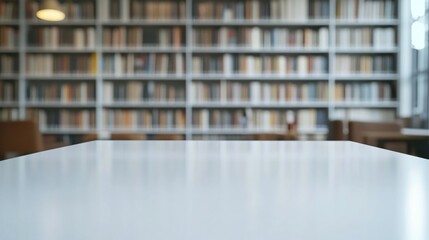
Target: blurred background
<point>213,70</point>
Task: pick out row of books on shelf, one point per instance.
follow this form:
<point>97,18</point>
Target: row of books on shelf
<point>352,9</point>
<point>364,92</point>
<point>174,63</point>
<point>257,92</point>
<point>257,9</point>
<point>215,91</point>
<point>146,119</point>
<point>9,37</point>
<point>8,91</point>
<point>366,37</point>
<point>144,63</point>
<point>364,64</point>
<point>251,37</point>
<point>258,64</point>
<point>9,64</point>
<point>222,10</point>
<point>75,10</point>
<point>137,91</point>
<point>62,119</point>
<point>137,9</point>
<point>253,92</point>
<point>54,37</point>
<point>65,92</point>
<point>9,10</point>
<point>304,119</point>
<point>256,37</point>
<point>139,37</point>
<point>48,64</point>
<point>7,114</point>
<point>216,119</point>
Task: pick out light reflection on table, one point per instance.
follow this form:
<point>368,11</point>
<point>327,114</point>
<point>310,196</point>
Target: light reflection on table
<point>215,190</point>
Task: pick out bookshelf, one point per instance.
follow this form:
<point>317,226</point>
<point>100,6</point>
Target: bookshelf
<point>9,59</point>
<point>202,69</point>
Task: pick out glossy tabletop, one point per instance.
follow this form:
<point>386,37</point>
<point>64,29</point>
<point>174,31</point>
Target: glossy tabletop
<point>199,190</point>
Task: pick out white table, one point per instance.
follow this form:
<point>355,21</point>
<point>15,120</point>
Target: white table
<point>215,190</point>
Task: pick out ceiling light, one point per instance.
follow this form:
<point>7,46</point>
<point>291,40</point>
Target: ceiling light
<point>50,11</point>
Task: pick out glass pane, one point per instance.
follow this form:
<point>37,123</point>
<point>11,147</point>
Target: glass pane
<point>423,59</point>
<point>421,109</point>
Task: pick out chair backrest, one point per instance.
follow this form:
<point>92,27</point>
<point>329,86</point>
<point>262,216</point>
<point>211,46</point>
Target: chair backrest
<point>127,136</point>
<point>168,137</point>
<point>114,136</point>
<point>357,129</point>
<point>336,130</point>
<point>272,137</point>
<point>19,137</point>
<point>89,137</point>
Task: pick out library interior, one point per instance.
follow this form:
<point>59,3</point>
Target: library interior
<point>215,70</point>
<point>214,119</point>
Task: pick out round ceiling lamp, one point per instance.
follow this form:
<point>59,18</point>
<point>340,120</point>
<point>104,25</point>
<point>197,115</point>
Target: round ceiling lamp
<point>50,11</point>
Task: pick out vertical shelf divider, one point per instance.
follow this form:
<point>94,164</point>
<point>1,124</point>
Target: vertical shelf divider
<point>188,72</point>
<point>99,73</point>
<point>22,63</point>
<point>331,59</point>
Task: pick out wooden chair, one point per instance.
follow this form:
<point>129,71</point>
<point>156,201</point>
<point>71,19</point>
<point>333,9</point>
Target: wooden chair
<point>19,138</point>
<point>127,136</point>
<point>90,137</point>
<point>176,137</point>
<point>357,130</point>
<point>51,142</point>
<point>114,136</point>
<point>336,130</point>
<point>273,137</point>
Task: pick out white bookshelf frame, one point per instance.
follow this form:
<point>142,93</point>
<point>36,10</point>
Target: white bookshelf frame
<point>188,77</point>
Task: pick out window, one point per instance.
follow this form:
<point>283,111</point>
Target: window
<point>420,58</point>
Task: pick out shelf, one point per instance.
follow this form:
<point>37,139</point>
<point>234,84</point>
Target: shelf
<point>367,77</point>
<point>270,77</point>
<point>10,22</point>
<point>60,104</point>
<point>4,104</point>
<point>366,50</point>
<point>366,104</point>
<point>144,22</point>
<point>313,131</point>
<point>259,105</point>
<point>60,50</point>
<point>7,76</point>
<point>260,22</point>
<point>66,131</point>
<point>61,77</point>
<point>365,22</point>
<point>147,131</point>
<point>143,49</point>
<point>247,131</point>
<point>170,77</point>
<point>236,131</point>
<point>271,50</point>
<point>9,50</point>
<point>68,22</point>
<point>152,104</point>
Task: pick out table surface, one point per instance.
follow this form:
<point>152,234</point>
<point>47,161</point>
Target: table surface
<point>215,190</point>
